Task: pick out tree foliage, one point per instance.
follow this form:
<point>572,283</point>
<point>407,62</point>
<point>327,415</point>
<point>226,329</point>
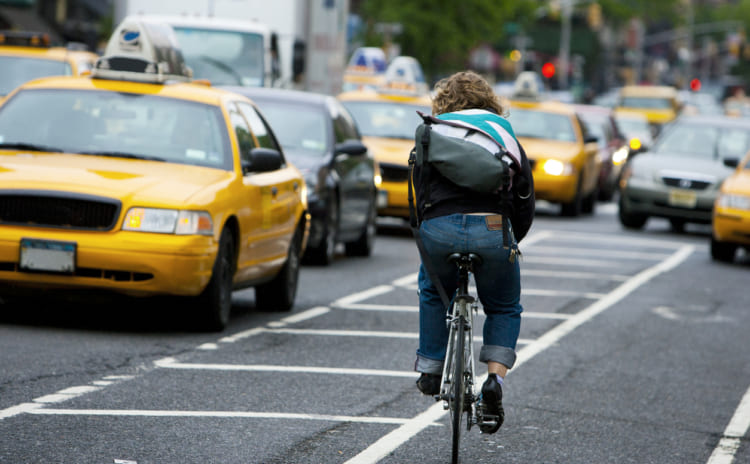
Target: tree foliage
<point>441,33</point>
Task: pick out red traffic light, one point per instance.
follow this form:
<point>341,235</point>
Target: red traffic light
<point>548,70</point>
<point>695,85</point>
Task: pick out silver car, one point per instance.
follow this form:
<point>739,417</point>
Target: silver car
<point>679,177</point>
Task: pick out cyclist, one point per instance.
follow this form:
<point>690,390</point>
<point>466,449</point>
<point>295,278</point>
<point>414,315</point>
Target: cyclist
<point>463,220</point>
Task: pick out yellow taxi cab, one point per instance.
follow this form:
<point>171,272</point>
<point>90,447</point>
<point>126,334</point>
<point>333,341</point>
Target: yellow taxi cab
<point>731,214</point>
<point>136,180</point>
<point>563,157</point>
<point>387,118</point>
<point>25,56</point>
<point>659,103</point>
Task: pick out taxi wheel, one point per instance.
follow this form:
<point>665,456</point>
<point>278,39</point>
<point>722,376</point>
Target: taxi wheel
<point>573,208</point>
<point>215,303</point>
<point>364,244</point>
<point>722,251</point>
<point>588,204</point>
<point>279,294</point>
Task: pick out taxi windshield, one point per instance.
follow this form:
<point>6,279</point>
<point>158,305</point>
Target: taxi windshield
<point>116,124</point>
<point>17,70</point>
<point>301,128</point>
<point>223,57</point>
<point>542,125</point>
<point>704,141</point>
<point>386,119</point>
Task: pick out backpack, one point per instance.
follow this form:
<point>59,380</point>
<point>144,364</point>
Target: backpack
<point>478,162</point>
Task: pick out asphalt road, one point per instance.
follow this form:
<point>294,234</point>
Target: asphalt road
<point>634,349</point>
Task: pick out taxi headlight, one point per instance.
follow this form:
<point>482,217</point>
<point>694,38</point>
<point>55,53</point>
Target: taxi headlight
<point>168,221</point>
<point>734,201</point>
<point>557,168</point>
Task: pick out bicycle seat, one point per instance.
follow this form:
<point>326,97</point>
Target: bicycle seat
<point>465,259</point>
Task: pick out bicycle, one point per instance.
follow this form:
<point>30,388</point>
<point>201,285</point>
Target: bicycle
<point>457,385</point>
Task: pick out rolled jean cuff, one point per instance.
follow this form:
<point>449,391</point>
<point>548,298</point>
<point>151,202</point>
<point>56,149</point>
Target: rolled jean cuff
<point>499,354</point>
<point>428,366</point>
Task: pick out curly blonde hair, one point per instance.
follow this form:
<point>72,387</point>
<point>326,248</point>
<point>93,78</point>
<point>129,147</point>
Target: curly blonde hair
<point>465,90</point>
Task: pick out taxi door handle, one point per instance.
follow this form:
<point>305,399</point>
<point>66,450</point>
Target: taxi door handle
<point>274,190</point>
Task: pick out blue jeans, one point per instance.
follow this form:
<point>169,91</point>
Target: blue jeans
<point>498,283</point>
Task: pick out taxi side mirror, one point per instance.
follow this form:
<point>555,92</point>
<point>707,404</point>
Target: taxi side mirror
<point>351,147</point>
<point>731,162</point>
<point>262,160</point>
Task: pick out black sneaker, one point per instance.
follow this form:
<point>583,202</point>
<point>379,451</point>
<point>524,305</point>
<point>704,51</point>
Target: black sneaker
<point>491,404</point>
<point>429,384</point>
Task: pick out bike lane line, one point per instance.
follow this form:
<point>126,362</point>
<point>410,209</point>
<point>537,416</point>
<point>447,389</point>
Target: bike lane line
<point>391,441</point>
<point>730,442</point>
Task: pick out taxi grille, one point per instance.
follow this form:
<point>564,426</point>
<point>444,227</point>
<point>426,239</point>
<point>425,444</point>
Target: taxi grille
<point>58,210</point>
<point>394,172</point>
<point>685,183</point>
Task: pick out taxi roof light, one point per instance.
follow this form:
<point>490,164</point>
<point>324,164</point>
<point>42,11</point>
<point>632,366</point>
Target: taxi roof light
<point>25,39</point>
<point>144,51</point>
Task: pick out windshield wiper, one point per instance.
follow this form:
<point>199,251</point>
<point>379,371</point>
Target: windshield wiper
<point>222,66</point>
<point>121,154</point>
<point>28,146</point>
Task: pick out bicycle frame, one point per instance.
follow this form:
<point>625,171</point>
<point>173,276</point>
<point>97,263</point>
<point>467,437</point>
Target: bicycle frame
<point>462,313</point>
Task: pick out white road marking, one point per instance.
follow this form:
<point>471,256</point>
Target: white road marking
<point>365,333</point>
<point>598,253</point>
<point>223,414</point>
<point>572,275</point>
<point>364,295</point>
<point>567,236</point>
<point>301,316</point>
<point>566,261</point>
<point>730,442</point>
<point>388,443</point>
<point>415,309</point>
<point>19,409</point>
<point>208,347</point>
<point>298,369</point>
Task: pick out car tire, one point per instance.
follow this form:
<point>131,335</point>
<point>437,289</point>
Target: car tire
<point>678,225</point>
<point>214,304</point>
<point>723,252</point>
<point>278,295</point>
<point>323,253</point>
<point>588,204</point>
<point>573,208</point>
<point>629,220</point>
<point>364,244</point>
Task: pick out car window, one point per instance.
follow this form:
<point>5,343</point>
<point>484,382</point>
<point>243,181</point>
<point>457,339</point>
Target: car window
<point>242,131</point>
<point>259,127</point>
<point>344,126</point>
<point>542,125</point>
<point>301,129</point>
<point>111,123</point>
<point>702,141</point>
<point>224,57</point>
<point>386,119</point>
<point>18,70</point>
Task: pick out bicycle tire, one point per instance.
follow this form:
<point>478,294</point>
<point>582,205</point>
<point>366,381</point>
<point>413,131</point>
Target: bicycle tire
<point>459,387</point>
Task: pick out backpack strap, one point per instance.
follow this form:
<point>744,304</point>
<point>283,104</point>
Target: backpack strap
<point>415,217</point>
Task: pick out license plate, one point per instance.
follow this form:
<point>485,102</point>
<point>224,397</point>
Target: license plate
<point>683,198</point>
<point>382,201</point>
<point>47,256</point>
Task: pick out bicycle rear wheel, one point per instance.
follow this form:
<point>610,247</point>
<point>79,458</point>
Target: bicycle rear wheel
<point>458,387</point>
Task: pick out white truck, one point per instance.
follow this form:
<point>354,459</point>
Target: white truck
<point>280,43</point>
